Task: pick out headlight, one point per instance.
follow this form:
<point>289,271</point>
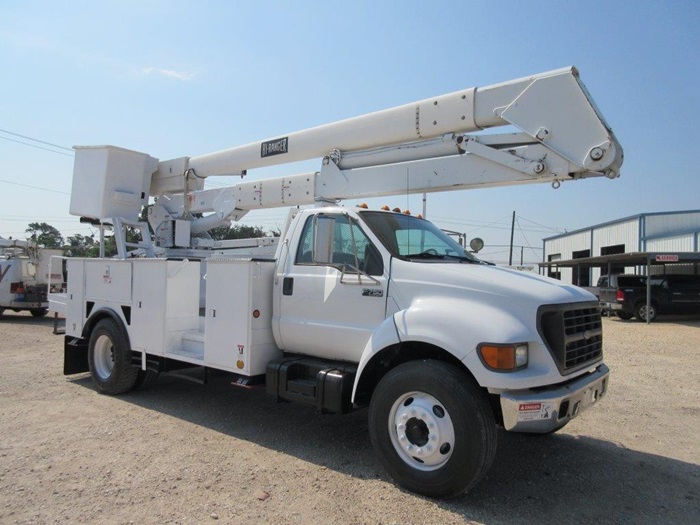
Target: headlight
<point>503,358</point>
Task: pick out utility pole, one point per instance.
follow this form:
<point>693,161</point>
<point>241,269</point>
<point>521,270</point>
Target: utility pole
<point>512,231</point>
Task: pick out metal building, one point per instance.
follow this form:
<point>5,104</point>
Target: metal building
<point>648,232</point>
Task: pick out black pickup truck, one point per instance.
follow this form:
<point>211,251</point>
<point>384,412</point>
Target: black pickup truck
<point>626,295</point>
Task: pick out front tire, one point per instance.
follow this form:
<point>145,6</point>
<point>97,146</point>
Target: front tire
<point>109,357</point>
<point>432,428</point>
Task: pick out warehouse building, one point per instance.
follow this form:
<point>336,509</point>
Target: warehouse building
<point>677,231</point>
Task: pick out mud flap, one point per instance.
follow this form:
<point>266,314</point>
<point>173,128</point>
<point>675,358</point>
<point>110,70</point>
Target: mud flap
<point>75,356</point>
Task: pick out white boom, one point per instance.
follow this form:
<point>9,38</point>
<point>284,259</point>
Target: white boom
<point>416,148</point>
<point>553,105</point>
<point>15,243</point>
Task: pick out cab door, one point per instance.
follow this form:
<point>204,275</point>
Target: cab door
<point>331,309</point>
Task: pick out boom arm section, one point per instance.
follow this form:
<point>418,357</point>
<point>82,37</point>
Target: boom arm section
<point>421,147</point>
<point>553,108</point>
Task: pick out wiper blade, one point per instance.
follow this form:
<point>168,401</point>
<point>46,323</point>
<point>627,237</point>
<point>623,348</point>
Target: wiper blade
<point>424,255</point>
<point>463,258</point>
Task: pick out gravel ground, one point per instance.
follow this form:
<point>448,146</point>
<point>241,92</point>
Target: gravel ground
<point>186,453</point>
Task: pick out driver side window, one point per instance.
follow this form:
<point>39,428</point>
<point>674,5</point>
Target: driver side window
<point>351,247</point>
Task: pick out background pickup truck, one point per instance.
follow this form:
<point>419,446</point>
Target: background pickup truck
<point>626,295</point>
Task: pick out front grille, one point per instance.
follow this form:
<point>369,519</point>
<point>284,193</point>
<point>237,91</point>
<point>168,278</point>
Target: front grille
<point>573,334</point>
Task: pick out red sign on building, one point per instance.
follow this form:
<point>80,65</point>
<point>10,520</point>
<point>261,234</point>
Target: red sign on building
<point>667,258</point>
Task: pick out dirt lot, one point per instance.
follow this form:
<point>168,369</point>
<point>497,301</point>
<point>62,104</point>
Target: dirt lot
<point>185,453</point>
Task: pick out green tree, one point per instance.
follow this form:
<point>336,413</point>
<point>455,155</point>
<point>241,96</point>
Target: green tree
<point>45,235</point>
<point>237,231</point>
<point>82,245</point>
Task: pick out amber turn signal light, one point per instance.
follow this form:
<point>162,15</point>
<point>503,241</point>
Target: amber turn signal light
<point>503,358</point>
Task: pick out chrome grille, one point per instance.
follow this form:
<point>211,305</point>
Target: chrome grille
<point>573,333</point>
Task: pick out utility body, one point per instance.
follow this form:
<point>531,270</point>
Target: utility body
<point>353,307</point>
<point>25,276</point>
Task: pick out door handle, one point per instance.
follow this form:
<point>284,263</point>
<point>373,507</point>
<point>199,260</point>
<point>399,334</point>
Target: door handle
<point>288,286</point>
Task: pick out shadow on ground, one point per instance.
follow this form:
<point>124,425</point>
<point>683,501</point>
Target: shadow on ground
<point>692,320</point>
<point>534,479</point>
<point>24,318</point>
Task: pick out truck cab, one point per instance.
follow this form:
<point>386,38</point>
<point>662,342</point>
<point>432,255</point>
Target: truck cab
<point>356,285</point>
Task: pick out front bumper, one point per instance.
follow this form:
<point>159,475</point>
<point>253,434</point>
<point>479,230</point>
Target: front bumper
<point>546,410</point>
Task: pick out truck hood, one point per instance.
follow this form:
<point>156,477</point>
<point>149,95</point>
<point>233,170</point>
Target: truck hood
<point>491,285</point>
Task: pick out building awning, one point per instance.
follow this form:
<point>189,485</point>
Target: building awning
<point>628,259</point>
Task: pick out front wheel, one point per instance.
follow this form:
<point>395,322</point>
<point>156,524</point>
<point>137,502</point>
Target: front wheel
<point>109,357</point>
<point>432,428</point>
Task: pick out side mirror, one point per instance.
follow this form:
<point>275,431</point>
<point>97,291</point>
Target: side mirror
<point>324,228</point>
<point>476,244</point>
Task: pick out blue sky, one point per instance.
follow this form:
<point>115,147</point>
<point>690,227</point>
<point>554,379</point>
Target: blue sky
<point>177,78</point>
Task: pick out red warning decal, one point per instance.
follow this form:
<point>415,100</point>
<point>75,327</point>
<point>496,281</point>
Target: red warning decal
<point>529,406</point>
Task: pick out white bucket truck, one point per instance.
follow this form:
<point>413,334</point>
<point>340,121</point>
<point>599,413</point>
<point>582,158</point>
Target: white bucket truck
<point>355,307</point>
<point>25,273</point>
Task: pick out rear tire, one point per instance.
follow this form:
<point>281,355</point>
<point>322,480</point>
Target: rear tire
<point>641,312</point>
<point>39,312</point>
<point>432,428</point>
<point>625,316</point>
<point>109,357</point>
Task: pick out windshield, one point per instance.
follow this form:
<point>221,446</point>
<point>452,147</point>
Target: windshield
<point>409,237</point>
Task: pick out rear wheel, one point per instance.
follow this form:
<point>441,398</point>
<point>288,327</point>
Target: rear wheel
<point>625,316</point>
<point>39,312</point>
<point>644,313</point>
<point>109,357</point>
<point>432,428</point>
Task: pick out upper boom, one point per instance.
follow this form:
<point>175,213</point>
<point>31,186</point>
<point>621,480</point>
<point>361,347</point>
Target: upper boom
<point>553,107</point>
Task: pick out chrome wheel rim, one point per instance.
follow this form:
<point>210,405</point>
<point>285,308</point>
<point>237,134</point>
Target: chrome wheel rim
<point>421,431</point>
<point>646,312</point>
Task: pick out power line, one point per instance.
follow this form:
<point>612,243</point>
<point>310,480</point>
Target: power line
<point>34,219</point>
<point>488,227</point>
<point>38,147</point>
<point>34,187</point>
<point>472,222</point>
<point>35,140</point>
<point>558,230</point>
<point>526,241</point>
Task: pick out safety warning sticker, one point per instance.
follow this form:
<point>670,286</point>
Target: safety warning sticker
<point>534,411</point>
